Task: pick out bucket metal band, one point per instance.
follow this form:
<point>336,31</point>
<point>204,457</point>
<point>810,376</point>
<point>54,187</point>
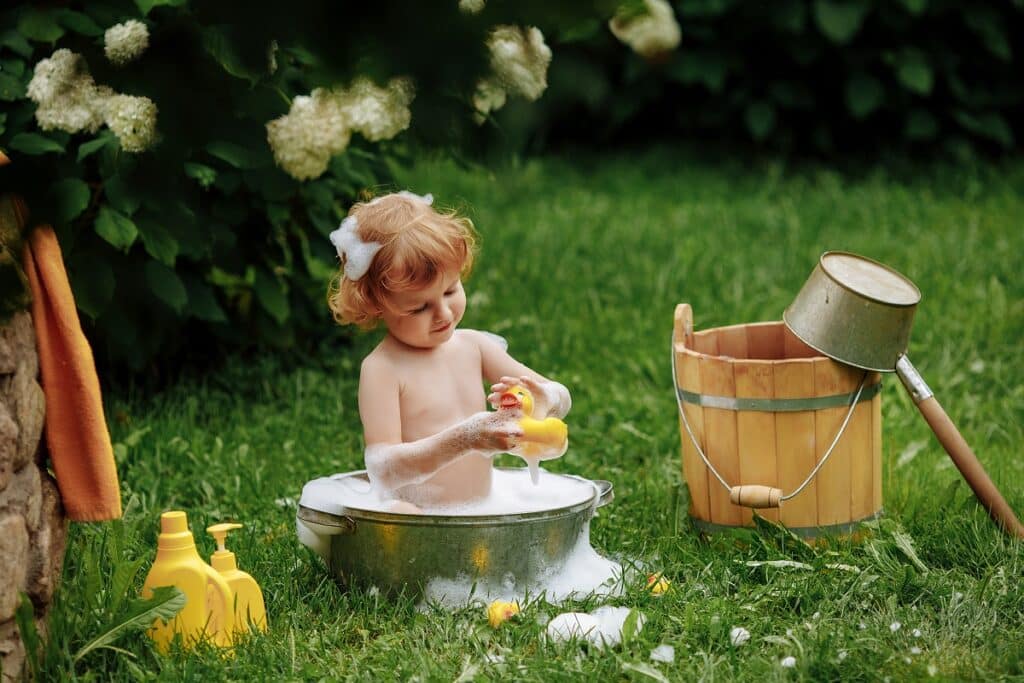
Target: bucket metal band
<point>807,532</point>
<point>776,405</point>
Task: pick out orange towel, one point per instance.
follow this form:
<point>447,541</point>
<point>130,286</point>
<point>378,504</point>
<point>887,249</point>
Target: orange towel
<point>76,429</point>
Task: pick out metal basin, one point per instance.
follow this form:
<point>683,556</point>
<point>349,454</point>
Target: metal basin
<point>401,553</point>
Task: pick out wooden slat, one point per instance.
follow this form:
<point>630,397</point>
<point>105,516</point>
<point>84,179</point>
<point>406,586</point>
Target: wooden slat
<point>755,430</point>
<point>862,457</point>
<point>706,341</point>
<point>720,425</point>
<point>834,485</point>
<point>765,341</point>
<point>794,347</point>
<point>732,341</point>
<point>876,452</point>
<point>698,479</point>
<point>794,443</point>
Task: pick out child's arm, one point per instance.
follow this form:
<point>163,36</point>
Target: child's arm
<point>394,464</point>
<point>550,398</point>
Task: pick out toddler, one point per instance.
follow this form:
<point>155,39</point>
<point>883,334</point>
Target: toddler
<point>429,438</point>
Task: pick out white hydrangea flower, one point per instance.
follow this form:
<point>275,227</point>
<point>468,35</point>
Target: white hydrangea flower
<point>66,95</point>
<point>788,662</point>
<point>378,113</point>
<point>650,35</point>
<point>320,125</point>
<point>124,42</point>
<point>133,121</point>
<point>69,100</point>
<point>471,6</point>
<point>313,130</point>
<point>520,59</point>
<point>489,96</point>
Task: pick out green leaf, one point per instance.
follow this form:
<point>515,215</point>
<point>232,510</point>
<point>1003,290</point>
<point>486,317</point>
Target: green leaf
<point>167,286</point>
<point>630,626</point>
<point>25,618</point>
<point>202,303</point>
<point>17,43</point>
<point>864,94</point>
<point>34,144</point>
<point>219,45</point>
<point>11,87</point>
<point>644,669</point>
<point>905,543</point>
<point>702,66</point>
<point>915,6</point>
<point>992,126</point>
<point>201,173</point>
<point>234,154</point>
<point>71,197</point>
<point>3,122</point>
<point>120,195</point>
<point>92,281</point>
<point>92,146</point>
<point>164,604</point>
<point>271,296</point>
<point>920,125</point>
<point>760,118</point>
<point>146,6</point>
<point>989,27</point>
<point>158,240</point>
<point>78,22</point>
<point>39,25</point>
<point>116,228</point>
<point>914,71</point>
<point>840,19</point>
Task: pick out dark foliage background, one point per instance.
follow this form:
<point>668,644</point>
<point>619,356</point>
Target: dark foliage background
<point>204,242</point>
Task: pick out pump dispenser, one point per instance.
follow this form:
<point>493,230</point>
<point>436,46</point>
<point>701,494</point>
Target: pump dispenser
<point>249,608</point>
<point>208,597</point>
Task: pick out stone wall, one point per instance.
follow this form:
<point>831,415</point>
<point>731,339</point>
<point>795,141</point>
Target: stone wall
<point>32,522</point>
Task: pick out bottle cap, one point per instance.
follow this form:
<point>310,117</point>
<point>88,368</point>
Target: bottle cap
<point>173,522</point>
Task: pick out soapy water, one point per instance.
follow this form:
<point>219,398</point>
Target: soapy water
<point>513,491</point>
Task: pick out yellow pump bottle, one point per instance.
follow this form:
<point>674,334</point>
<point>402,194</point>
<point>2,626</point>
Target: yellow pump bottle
<point>208,598</point>
<point>250,611</point>
<point>538,435</point>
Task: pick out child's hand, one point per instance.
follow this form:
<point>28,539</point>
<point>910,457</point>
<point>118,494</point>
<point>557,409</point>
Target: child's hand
<point>541,398</point>
<point>496,432</point>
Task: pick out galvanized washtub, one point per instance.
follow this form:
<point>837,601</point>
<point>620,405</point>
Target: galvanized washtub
<point>402,553</point>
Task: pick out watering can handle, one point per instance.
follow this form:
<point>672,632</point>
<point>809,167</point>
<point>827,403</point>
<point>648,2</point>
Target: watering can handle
<point>959,452</point>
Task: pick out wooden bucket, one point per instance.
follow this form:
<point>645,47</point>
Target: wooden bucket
<point>765,410</point>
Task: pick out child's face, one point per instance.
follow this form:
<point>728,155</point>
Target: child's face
<point>428,317</point>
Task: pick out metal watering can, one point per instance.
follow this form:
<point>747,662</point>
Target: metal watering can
<point>859,312</point>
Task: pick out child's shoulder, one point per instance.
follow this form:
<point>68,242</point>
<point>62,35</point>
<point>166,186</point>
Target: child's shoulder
<point>379,360</point>
<point>480,338</point>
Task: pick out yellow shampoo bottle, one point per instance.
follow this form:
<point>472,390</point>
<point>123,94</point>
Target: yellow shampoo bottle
<point>208,609</point>
<point>249,609</point>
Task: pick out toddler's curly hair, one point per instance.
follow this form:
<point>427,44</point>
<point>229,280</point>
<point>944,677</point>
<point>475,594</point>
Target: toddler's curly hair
<point>418,242</point>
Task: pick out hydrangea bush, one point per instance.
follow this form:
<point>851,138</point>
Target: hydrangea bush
<point>194,158</point>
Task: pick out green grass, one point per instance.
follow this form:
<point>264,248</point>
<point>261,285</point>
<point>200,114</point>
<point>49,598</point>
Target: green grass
<point>583,262</point>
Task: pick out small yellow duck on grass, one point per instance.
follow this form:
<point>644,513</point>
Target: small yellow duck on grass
<point>658,584</point>
<point>501,611</point>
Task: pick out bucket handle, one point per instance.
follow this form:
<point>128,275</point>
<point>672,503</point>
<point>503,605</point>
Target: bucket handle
<point>758,495</point>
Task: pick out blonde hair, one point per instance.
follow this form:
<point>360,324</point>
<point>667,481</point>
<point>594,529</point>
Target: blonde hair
<point>418,245</point>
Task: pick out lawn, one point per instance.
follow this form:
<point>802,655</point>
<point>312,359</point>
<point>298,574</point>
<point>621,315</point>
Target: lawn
<point>583,261</point>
